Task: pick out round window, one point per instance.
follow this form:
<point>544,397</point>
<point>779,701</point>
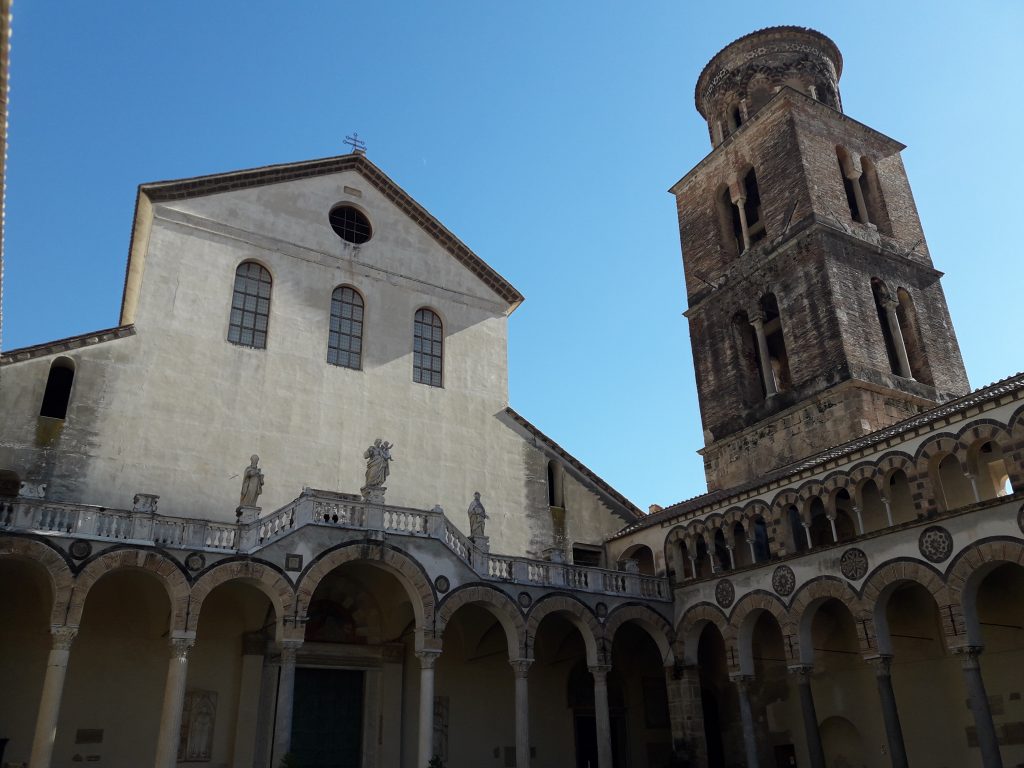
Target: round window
<point>350,224</point>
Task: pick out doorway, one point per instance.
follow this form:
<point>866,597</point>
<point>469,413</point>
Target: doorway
<point>327,718</point>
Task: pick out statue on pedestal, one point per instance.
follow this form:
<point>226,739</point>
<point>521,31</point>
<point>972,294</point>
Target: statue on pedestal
<point>252,483</point>
<point>477,516</point>
<point>378,458</point>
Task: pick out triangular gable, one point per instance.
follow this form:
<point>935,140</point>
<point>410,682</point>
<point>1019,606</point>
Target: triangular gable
<point>166,191</point>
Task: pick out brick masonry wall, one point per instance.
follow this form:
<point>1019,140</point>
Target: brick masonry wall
<point>818,262</point>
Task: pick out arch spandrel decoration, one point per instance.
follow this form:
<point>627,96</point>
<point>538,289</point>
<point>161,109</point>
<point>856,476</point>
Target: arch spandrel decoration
<point>163,568</point>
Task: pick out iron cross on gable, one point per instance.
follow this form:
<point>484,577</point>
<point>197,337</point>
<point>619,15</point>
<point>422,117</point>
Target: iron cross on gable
<point>357,144</point>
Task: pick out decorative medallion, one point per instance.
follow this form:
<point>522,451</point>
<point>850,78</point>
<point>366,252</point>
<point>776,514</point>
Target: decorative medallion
<point>784,580</point>
<point>854,564</point>
<point>725,593</point>
<point>936,544</point>
<point>195,561</point>
<point>293,561</point>
<point>442,584</point>
<point>80,549</point>
<point>524,600</point>
<point>601,610</point>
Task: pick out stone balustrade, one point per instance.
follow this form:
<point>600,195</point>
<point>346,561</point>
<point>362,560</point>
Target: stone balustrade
<point>315,508</point>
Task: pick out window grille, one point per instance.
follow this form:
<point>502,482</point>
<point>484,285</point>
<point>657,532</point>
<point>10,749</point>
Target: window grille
<point>350,224</point>
<point>428,348</point>
<point>345,340</point>
<point>250,306</point>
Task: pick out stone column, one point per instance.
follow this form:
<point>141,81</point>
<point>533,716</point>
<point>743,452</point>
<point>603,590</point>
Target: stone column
<point>521,668</point>
<point>832,524</point>
<point>973,480</point>
<point>860,519</point>
<point>285,700</point>
<point>686,713</point>
<point>890,304</point>
<point>732,557</point>
<point>753,552</point>
<point>742,683</point>
<point>807,533</point>
<point>601,716</point>
<point>854,174</point>
<point>890,714</point>
<point>888,509</point>
<point>767,374</point>
<point>425,751</point>
<point>53,690</point>
<point>174,701</point>
<point>739,203</point>
<point>802,673</point>
<point>978,700</point>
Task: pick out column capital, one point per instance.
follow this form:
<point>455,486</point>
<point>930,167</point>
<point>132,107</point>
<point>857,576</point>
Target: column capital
<point>740,678</point>
<point>969,655</point>
<point>61,638</point>
<point>521,667</point>
<point>428,657</point>
<point>599,671</point>
<point>180,647</point>
<point>802,672</point>
<point>881,663</point>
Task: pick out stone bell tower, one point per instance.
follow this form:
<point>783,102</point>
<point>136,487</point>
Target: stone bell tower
<point>815,313</point>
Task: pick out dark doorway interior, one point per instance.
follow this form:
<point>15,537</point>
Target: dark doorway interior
<point>327,719</point>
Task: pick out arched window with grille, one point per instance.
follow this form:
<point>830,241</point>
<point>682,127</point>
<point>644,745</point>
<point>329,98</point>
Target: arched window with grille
<point>250,306</point>
<point>428,348</point>
<point>345,338</point>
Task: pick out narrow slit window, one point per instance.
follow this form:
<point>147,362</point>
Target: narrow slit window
<point>345,339</point>
<point>250,306</point>
<point>57,394</point>
<point>428,348</point>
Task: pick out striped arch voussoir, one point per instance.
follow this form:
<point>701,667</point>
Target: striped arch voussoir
<point>277,589</point>
<point>978,556</point>
<point>61,580</point>
<point>901,572</point>
<point>566,605</point>
<point>421,593</point>
<point>165,569</point>
<point>494,600</point>
<point>654,623</point>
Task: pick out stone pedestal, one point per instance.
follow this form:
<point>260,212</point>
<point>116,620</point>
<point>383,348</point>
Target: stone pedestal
<point>373,495</point>
<point>248,531</point>
<point>482,543</point>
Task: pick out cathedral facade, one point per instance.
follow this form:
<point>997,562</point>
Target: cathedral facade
<point>283,515</point>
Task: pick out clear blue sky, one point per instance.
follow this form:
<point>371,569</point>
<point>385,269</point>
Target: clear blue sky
<point>545,135</point>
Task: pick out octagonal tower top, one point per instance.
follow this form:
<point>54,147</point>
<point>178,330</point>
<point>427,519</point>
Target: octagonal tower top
<point>743,76</point>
